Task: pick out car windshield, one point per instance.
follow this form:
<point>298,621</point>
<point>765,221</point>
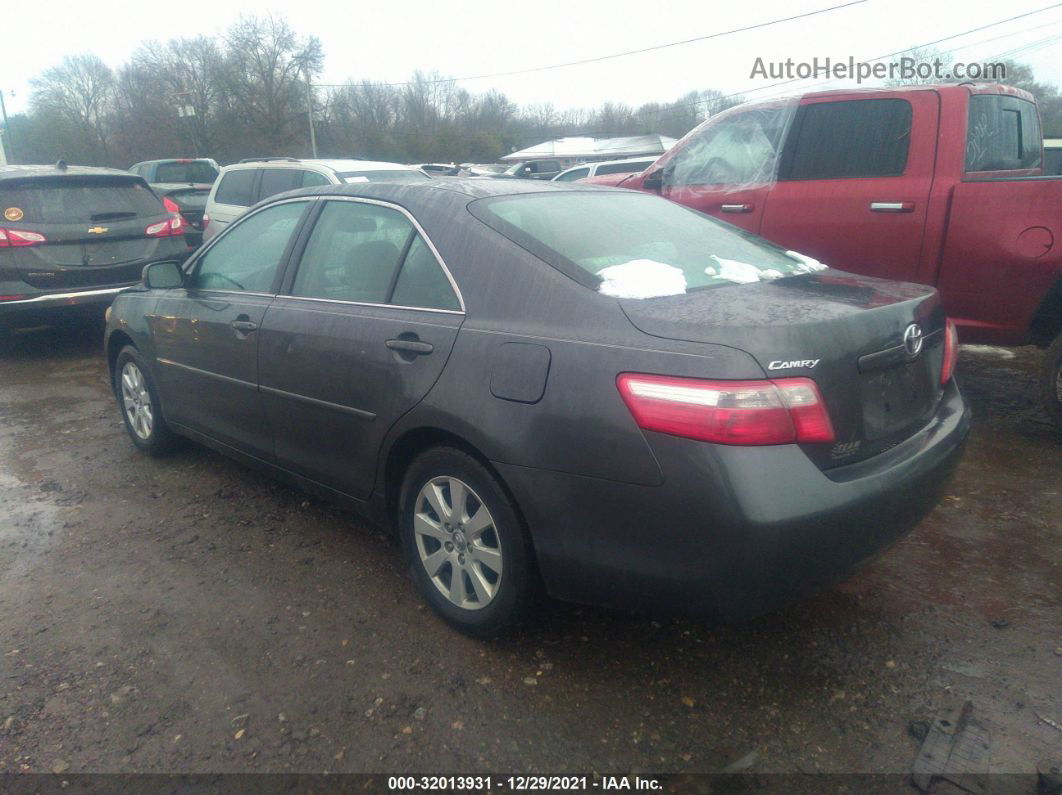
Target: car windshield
<point>186,171</point>
<point>76,200</point>
<point>397,175</point>
<point>636,245</point>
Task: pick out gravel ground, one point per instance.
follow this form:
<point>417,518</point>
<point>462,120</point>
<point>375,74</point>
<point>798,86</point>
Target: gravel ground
<point>190,615</point>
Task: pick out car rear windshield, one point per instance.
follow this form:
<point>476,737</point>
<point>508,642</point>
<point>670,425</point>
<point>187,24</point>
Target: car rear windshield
<point>190,171</point>
<point>398,175</point>
<point>77,200</point>
<point>588,234</point>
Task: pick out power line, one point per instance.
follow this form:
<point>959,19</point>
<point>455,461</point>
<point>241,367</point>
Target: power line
<point>613,56</point>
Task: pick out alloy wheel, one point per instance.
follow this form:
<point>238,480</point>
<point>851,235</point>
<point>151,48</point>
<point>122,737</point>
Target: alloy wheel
<point>136,400</point>
<point>457,542</point>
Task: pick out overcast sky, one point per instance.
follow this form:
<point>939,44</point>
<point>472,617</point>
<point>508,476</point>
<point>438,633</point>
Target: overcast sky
<point>389,40</point>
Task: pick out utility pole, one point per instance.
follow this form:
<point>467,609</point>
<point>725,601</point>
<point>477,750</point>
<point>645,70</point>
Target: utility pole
<point>7,130</point>
<point>309,108</point>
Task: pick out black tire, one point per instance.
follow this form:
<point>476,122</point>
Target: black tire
<point>1051,382</point>
<point>516,585</point>
<point>159,438</point>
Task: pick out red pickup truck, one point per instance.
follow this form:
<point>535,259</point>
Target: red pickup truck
<point>941,185</point>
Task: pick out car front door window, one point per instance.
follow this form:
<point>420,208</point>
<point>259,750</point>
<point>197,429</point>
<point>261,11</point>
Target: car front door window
<point>246,258</point>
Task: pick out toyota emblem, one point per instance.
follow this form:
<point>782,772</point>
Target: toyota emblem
<point>912,340</point>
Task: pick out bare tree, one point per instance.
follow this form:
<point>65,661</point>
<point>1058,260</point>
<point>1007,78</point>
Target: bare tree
<point>80,91</point>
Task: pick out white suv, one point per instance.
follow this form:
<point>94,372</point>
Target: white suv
<point>631,165</point>
<point>249,181</point>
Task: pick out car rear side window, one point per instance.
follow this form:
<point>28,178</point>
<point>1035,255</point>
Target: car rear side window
<point>421,282</point>
<point>278,180</point>
<point>852,138</point>
<point>79,200</point>
<point>190,171</point>
<point>574,174</point>
<point>236,188</point>
<point>1003,134</point>
<point>246,257</point>
<point>621,168</point>
<point>311,179</point>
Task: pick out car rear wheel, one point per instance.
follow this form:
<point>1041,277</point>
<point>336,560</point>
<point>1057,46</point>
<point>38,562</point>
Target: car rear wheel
<point>1051,382</point>
<point>470,555</point>
<point>139,404</point>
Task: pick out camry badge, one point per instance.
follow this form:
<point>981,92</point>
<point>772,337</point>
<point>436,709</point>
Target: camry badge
<point>97,230</point>
<point>912,340</point>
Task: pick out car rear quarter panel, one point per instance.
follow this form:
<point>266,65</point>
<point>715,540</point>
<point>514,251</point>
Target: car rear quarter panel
<point>579,423</point>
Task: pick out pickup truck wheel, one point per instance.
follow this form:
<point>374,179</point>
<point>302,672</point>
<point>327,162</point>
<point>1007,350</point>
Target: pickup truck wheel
<point>1051,382</point>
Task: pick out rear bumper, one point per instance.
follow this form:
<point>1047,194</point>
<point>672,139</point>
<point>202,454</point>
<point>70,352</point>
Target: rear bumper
<point>733,532</point>
<point>46,304</point>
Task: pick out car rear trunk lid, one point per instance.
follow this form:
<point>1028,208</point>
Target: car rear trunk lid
<point>845,332</point>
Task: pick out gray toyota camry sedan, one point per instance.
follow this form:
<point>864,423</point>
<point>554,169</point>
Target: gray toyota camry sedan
<point>589,392</point>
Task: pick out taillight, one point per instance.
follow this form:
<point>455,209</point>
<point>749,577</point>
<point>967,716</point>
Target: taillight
<point>781,411</point>
<point>174,225</point>
<point>205,221</point>
<point>951,351</point>
<point>19,237</point>
<point>170,205</point>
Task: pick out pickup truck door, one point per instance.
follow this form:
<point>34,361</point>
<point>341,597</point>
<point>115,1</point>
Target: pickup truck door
<point>854,181</point>
<point>725,167</point>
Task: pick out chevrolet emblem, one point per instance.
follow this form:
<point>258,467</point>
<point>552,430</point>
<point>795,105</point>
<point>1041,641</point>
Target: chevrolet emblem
<point>97,230</point>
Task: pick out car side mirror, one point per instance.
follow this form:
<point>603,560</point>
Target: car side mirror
<point>162,275</point>
<point>654,181</point>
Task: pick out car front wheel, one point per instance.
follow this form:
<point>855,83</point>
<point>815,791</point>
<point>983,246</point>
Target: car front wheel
<point>139,404</point>
<point>468,550</point>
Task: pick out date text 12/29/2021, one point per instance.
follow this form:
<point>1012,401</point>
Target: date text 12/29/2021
<point>521,783</point>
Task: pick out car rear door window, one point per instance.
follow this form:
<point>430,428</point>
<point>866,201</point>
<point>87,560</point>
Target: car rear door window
<point>278,180</point>
<point>852,138</point>
<point>353,253</point>
<point>1003,134</point>
<point>237,187</point>
<point>247,256</point>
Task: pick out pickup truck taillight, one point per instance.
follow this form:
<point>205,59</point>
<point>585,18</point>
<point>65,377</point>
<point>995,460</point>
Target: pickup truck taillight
<point>951,351</point>
<point>780,411</point>
<point>19,237</point>
<point>170,228</point>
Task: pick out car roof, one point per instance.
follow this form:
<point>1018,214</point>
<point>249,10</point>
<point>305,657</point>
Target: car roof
<point>338,165</point>
<point>21,172</point>
<point>429,192</point>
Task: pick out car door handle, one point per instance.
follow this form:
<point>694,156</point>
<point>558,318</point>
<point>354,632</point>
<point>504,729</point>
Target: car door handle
<point>892,207</point>
<point>411,346</point>
<point>738,208</point>
<point>244,326</point>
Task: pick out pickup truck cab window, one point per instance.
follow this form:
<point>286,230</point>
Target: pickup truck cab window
<point>855,138</point>
<point>1002,134</point>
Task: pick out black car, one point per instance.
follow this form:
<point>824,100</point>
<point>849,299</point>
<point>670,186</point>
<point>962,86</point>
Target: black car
<point>184,185</point>
<point>457,359</point>
<point>75,236</point>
